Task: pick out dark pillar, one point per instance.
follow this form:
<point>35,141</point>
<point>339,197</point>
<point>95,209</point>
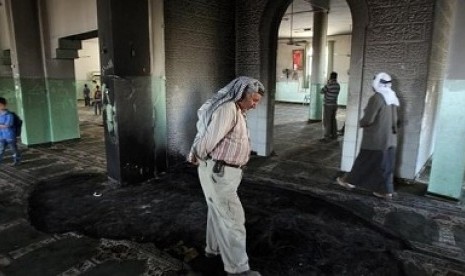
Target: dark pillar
<point>128,114</point>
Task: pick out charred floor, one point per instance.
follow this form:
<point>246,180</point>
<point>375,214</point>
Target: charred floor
<point>60,215</point>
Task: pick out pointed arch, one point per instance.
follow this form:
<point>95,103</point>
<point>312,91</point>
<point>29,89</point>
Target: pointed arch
<point>268,38</point>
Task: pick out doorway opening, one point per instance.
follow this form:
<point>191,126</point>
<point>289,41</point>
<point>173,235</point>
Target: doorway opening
<point>87,73</point>
<point>296,137</point>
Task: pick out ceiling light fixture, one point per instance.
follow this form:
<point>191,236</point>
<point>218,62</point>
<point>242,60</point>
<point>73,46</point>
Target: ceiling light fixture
<point>291,40</point>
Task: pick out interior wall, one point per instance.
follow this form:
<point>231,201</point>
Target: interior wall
<point>69,18</point>
<point>88,62</point>
<point>398,42</point>
<point>341,64</point>
<point>200,52</point>
<point>438,60</point>
<point>257,32</point>
<point>391,36</point>
<point>293,90</point>
<point>342,49</point>
<point>290,86</point>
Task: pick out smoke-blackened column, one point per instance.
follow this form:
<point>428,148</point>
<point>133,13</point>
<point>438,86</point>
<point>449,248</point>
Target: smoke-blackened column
<point>128,110</point>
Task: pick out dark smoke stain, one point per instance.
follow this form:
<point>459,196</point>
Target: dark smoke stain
<point>288,232</point>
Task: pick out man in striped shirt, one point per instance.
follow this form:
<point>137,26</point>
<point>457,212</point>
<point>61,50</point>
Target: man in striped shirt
<point>330,91</point>
<point>221,149</point>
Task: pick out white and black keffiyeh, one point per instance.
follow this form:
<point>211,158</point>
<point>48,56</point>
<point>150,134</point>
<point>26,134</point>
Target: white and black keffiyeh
<point>382,85</point>
<point>231,92</point>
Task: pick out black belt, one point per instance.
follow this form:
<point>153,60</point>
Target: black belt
<point>230,165</point>
<point>226,164</point>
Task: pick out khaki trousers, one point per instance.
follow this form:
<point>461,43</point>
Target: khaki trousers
<point>225,220</point>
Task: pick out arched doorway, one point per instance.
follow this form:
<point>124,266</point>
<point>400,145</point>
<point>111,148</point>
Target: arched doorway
<point>298,102</point>
<point>267,30</point>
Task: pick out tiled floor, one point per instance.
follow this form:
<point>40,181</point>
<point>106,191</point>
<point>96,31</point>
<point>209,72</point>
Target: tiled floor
<point>27,251</point>
<point>297,139</point>
<point>432,232</point>
<point>286,113</point>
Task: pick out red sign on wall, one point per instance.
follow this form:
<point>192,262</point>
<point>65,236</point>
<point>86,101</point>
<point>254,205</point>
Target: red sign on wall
<point>298,59</point>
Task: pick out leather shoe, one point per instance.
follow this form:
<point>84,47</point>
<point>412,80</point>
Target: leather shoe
<point>344,184</point>
<point>210,255</point>
<point>383,196</point>
<point>246,273</point>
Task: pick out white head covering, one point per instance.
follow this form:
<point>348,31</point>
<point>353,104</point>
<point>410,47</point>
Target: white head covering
<point>382,85</point>
<point>231,92</point>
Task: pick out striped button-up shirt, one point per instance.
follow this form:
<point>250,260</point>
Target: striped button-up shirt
<point>226,138</point>
<point>331,91</point>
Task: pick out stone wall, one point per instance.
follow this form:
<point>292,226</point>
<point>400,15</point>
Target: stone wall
<point>398,42</point>
<point>200,59</point>
<point>256,56</point>
<point>437,64</point>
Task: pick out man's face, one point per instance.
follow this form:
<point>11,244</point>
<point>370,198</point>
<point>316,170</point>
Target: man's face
<point>250,101</point>
<point>2,106</point>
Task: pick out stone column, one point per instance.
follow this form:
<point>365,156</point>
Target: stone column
<point>320,25</point>
<point>7,88</point>
<point>61,86</point>
<point>29,70</point>
<point>128,110</point>
<point>330,65</point>
<point>159,83</point>
<point>448,167</point>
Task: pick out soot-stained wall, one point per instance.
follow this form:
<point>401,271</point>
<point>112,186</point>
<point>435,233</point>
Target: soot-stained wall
<point>200,59</point>
<point>202,45</point>
<point>398,42</point>
<point>398,35</point>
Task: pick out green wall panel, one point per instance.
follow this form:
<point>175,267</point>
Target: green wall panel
<point>33,105</point>
<point>289,91</point>
<point>160,128</point>
<point>7,91</point>
<point>48,109</point>
<point>448,167</point>
<point>316,102</point>
<point>64,119</point>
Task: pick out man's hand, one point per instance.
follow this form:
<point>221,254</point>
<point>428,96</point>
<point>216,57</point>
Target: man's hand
<point>3,126</point>
<point>193,159</point>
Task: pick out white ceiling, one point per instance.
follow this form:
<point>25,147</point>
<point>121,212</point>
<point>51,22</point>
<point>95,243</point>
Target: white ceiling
<point>339,19</point>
